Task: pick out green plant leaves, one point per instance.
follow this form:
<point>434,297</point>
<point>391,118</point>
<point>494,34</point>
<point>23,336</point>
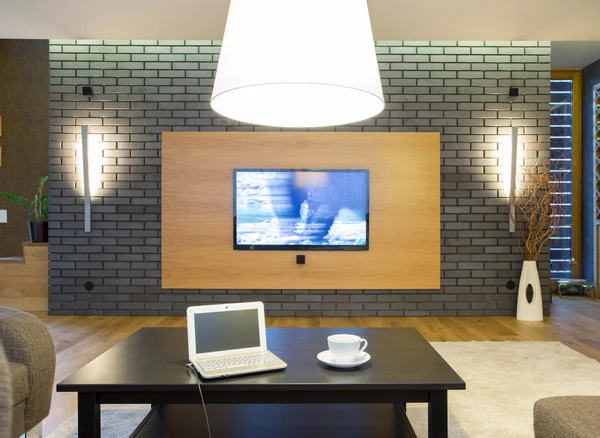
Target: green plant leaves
<point>19,200</point>
<point>37,209</point>
<point>42,184</point>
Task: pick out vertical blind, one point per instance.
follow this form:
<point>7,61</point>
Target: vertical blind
<point>561,126</point>
<point>597,149</point>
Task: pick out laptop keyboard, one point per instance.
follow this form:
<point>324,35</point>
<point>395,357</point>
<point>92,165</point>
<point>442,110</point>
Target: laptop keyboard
<point>236,361</point>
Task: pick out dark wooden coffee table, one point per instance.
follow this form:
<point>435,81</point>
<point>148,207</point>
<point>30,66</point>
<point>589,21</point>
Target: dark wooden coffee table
<point>149,367</point>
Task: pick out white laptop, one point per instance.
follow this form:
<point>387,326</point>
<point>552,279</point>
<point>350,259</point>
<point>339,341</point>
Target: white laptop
<point>229,339</point>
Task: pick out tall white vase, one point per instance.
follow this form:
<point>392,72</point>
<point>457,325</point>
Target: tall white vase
<point>530,311</point>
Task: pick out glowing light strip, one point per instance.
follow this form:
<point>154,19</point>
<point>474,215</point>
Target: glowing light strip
<point>514,137</point>
<point>87,196</point>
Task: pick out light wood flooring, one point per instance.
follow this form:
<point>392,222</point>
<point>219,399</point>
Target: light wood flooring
<point>575,321</point>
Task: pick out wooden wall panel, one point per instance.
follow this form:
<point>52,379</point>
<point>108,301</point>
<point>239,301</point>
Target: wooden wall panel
<point>197,211</point>
<point>24,79</point>
<point>24,280</point>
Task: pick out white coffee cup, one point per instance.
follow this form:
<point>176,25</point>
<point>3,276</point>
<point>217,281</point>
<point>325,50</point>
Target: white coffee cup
<point>345,348</point>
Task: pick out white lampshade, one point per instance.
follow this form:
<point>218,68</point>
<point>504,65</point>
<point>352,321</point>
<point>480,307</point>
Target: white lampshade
<point>298,63</point>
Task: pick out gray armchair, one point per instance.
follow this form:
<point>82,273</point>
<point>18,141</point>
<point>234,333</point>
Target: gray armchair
<point>6,399</point>
<point>31,362</point>
<point>575,416</point>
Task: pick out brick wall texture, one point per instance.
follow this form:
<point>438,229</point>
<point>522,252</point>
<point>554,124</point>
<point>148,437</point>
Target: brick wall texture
<point>142,88</point>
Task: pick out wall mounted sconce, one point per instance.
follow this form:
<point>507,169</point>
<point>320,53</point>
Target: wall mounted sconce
<point>510,191</point>
<point>91,170</point>
<point>87,192</point>
<point>509,172</point>
<point>87,166</point>
<point>514,138</point>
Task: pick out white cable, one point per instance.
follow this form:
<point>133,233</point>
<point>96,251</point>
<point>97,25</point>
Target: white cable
<point>190,366</point>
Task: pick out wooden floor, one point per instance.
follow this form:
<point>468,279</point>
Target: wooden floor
<point>575,321</point>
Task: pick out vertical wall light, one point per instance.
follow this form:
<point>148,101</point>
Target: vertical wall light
<point>509,156</point>
<point>317,64</point>
<point>85,158</point>
<point>513,92</point>
<point>514,139</point>
<point>87,192</point>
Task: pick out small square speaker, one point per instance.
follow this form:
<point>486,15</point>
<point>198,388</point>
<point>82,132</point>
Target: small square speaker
<point>300,259</point>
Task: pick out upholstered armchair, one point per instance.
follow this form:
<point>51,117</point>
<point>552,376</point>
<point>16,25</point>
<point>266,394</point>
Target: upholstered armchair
<point>6,398</point>
<point>31,364</point>
<point>575,416</point>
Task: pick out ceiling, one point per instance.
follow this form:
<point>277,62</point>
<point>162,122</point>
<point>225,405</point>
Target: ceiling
<point>573,55</point>
<point>391,19</point>
<point>546,20</point>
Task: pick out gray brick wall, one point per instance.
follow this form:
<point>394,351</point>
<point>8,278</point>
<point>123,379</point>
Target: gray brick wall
<point>143,88</point>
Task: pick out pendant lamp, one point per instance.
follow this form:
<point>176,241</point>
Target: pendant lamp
<point>298,64</point>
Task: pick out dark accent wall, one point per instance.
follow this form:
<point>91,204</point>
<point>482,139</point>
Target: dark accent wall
<point>143,88</point>
<point>24,70</point>
<point>590,78</point>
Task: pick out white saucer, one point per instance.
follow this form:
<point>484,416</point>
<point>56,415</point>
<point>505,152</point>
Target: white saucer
<point>327,357</point>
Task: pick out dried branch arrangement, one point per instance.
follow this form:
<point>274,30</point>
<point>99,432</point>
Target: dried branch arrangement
<point>537,209</point>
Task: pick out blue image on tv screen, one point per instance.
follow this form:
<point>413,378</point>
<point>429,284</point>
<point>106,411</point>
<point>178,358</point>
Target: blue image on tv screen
<point>301,209</point>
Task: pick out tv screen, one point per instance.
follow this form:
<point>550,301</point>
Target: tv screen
<point>300,209</point>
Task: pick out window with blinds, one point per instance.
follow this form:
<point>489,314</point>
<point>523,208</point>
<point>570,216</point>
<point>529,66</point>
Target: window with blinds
<point>561,126</point>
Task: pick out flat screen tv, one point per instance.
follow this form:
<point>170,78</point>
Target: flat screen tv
<point>301,209</point>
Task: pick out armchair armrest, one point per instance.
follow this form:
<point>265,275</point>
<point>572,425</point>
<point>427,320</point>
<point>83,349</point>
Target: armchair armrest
<point>6,397</point>
<point>26,340</point>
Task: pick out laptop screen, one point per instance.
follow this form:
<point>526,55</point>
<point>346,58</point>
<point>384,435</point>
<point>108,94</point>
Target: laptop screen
<point>231,330</point>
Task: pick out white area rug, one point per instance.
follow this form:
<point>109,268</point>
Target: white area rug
<point>504,379</point>
<point>118,421</point>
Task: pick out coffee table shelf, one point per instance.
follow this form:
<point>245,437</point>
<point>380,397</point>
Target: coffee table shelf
<point>276,421</point>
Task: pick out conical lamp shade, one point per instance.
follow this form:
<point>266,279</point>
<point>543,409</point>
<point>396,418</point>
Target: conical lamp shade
<point>298,63</point>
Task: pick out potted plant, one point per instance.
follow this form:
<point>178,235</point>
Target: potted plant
<point>536,211</point>
<point>37,209</point>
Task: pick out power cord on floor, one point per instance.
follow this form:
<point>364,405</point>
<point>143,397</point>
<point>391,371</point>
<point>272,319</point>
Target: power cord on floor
<point>191,367</point>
